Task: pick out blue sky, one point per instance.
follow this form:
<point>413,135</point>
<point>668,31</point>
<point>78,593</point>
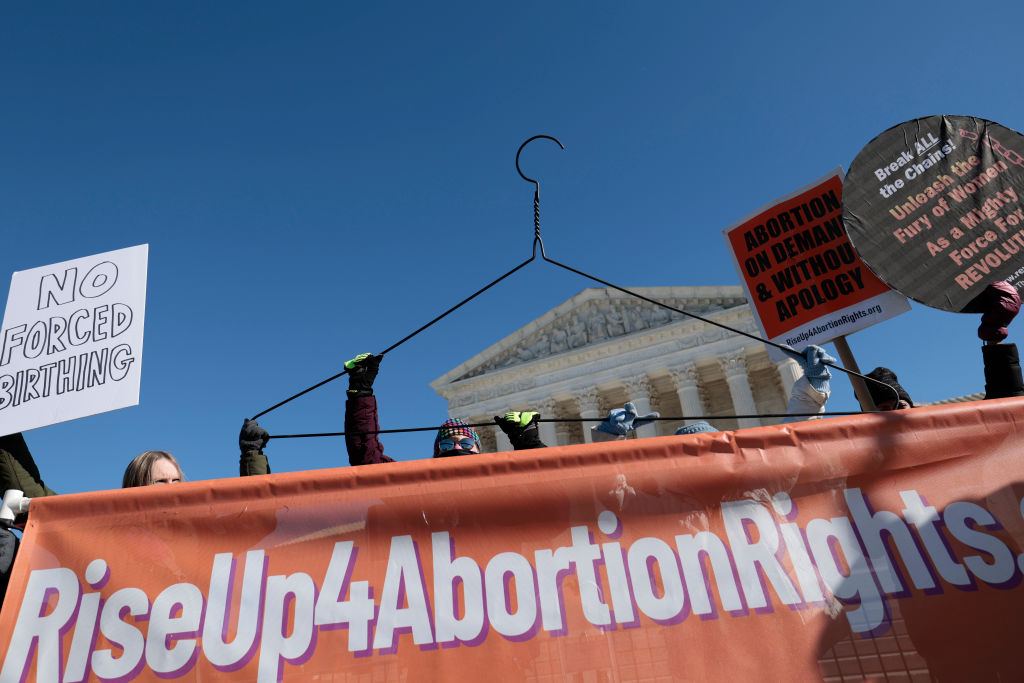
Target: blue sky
<point>319,179</point>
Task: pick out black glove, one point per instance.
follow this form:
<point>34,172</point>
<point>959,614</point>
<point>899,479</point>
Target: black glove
<point>521,429</point>
<point>1002,371</point>
<point>8,550</point>
<point>362,370</point>
<point>252,437</point>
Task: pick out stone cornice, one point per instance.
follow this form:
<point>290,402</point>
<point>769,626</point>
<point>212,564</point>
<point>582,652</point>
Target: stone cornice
<point>609,362</point>
<point>591,319</point>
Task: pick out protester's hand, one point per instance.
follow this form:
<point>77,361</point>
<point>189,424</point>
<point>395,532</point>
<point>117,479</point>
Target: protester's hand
<point>813,360</point>
<point>515,422</point>
<point>521,429</point>
<point>252,437</point>
<point>621,421</point>
<point>362,370</point>
<point>999,305</point>
<point>8,550</point>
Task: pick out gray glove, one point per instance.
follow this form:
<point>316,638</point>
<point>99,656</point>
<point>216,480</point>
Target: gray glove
<point>813,360</point>
<point>621,421</point>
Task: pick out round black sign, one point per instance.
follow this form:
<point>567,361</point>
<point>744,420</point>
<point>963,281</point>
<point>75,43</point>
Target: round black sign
<point>935,207</point>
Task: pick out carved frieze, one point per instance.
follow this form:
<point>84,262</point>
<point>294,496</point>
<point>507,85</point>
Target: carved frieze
<point>598,320</point>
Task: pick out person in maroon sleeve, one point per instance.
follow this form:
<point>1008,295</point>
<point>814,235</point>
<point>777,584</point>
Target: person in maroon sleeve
<point>364,448</point>
<point>454,437</point>
<point>998,304</point>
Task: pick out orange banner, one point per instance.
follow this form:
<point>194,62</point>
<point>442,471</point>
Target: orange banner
<point>857,546</point>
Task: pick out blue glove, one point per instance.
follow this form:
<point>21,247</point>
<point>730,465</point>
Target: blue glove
<point>621,421</point>
<point>813,360</point>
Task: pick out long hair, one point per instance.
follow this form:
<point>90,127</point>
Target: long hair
<point>139,470</point>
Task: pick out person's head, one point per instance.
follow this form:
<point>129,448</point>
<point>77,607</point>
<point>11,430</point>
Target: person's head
<point>700,427</point>
<point>152,467</point>
<point>455,437</point>
<point>891,397</point>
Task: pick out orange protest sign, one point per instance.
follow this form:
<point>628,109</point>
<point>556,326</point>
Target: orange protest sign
<point>888,542</point>
<point>805,282</point>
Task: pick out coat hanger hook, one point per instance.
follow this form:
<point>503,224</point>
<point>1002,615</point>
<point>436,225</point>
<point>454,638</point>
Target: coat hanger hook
<point>531,180</point>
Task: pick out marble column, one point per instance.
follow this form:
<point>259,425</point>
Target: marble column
<point>789,373</point>
<point>687,381</point>
<point>567,431</point>
<point>641,393</point>
<point>503,443</point>
<point>587,402</point>
<point>546,430</point>
<point>487,443</point>
<point>735,368</point>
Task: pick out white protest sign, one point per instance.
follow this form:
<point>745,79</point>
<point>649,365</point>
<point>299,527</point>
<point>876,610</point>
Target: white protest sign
<point>804,281</point>
<point>71,342</point>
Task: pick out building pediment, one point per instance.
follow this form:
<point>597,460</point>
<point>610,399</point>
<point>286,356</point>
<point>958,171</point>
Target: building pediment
<point>594,317</point>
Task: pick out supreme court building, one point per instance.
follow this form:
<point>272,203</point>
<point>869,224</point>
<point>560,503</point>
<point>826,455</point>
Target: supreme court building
<point>602,348</point>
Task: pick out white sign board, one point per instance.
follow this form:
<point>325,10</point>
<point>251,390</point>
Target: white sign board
<point>71,342</point>
<point>803,279</point>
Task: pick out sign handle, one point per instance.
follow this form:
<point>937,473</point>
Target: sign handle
<point>860,387</point>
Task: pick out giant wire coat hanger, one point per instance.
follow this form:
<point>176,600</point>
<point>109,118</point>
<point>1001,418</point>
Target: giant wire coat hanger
<point>536,196</point>
<point>538,241</point>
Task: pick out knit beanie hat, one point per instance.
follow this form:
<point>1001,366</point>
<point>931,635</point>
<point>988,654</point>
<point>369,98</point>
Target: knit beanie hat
<point>696,428</point>
<point>454,427</point>
<point>881,394</point>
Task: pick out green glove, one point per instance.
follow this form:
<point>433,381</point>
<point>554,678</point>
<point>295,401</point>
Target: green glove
<point>362,370</point>
<point>521,429</point>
